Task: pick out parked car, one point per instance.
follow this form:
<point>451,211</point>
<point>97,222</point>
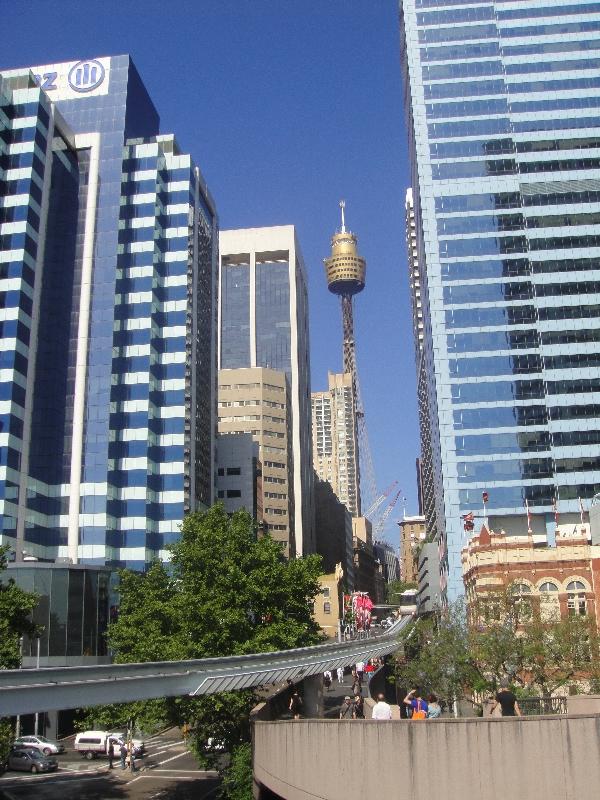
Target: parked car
<point>47,746</point>
<point>31,760</point>
<point>92,744</point>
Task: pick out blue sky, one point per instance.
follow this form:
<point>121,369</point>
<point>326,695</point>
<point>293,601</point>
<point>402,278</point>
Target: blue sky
<point>287,106</point>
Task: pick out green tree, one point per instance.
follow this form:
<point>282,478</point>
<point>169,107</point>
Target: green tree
<point>237,784</point>
<point>225,592</point>
<point>16,607</point>
<point>394,589</point>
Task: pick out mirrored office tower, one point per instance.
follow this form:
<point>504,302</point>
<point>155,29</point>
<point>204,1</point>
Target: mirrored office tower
<point>107,278</point>
<point>263,323</point>
<point>502,105</point>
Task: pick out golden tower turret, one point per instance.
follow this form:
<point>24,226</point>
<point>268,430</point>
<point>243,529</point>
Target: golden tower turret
<point>345,269</point>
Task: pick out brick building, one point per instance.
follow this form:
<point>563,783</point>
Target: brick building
<point>559,580</point>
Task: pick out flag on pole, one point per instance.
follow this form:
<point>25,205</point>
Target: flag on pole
<point>469,521</point>
<point>581,511</point>
<point>528,516</point>
<point>486,497</point>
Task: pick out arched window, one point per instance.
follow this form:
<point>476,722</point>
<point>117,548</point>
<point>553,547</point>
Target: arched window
<point>549,602</point>
<point>576,602</point>
<point>521,593</point>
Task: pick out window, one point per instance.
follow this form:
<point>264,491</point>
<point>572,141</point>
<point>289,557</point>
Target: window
<point>549,603</point>
<point>326,591</point>
<point>327,607</point>
<point>522,602</point>
<point>576,602</point>
<point>234,493</point>
<point>234,471</point>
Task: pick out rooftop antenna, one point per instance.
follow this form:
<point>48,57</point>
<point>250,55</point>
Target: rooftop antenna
<point>343,206</point>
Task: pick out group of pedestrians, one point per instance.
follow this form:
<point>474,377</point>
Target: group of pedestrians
<point>419,708</point>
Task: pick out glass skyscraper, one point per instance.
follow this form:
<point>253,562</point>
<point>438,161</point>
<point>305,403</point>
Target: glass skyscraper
<point>502,106</point>
<point>108,259</point>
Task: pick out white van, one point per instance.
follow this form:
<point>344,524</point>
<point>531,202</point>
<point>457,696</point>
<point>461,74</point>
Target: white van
<point>96,743</point>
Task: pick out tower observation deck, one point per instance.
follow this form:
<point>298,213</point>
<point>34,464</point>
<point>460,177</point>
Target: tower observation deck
<point>345,271</point>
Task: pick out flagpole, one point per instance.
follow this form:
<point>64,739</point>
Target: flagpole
<point>529,531</point>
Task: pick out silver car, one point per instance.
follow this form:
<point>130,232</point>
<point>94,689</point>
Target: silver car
<point>31,760</point>
<point>47,746</point>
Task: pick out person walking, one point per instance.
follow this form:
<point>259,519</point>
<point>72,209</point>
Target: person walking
<point>507,702</point>
<point>419,707</point>
<point>434,709</point>
<point>111,753</point>
<point>295,704</point>
<point>360,668</point>
<point>123,754</point>
<point>327,679</point>
<point>359,707</point>
<point>347,708</point>
<point>340,675</point>
<point>381,709</point>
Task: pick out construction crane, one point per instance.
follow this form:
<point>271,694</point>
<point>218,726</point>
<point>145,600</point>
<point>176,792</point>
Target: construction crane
<point>380,525</point>
<point>379,500</point>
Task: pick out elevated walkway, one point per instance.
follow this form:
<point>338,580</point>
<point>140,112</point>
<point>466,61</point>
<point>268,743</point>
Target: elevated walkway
<point>54,689</point>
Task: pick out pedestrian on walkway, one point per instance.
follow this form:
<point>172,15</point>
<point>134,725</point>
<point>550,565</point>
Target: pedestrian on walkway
<point>111,753</point>
<point>360,668</point>
<point>327,679</point>
<point>340,675</point>
<point>359,707</point>
<point>507,702</point>
<point>295,704</point>
<point>434,709</point>
<point>381,709</point>
<point>415,702</point>
<point>347,708</point>
<point>123,754</point>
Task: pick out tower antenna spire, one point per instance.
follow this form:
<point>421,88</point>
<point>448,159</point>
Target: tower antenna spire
<point>343,206</point>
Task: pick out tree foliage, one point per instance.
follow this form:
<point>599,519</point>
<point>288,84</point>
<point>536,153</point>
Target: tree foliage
<point>225,592</point>
<point>394,589</point>
<point>237,784</point>
<point>16,607</point>
<point>468,655</point>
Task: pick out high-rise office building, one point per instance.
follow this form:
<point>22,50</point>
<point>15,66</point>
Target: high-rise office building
<point>108,242</point>
<point>263,323</point>
<point>335,447</point>
<point>502,106</point>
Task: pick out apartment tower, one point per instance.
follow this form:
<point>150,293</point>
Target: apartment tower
<point>335,448</point>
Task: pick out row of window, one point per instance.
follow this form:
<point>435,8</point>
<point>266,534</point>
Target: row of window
<point>482,69</point>
<point>498,125</point>
<point>493,223</point>
<point>520,364</point>
<point>508,166</point>
<point>500,245</point>
<point>514,267</point>
<point>523,442</point>
<point>535,389</point>
<point>455,89</point>
<point>489,12</point>
<point>492,147</point>
<point>516,315</point>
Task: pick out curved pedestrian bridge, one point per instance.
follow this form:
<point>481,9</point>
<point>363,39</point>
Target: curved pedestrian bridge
<point>26,691</point>
<point>521,758</point>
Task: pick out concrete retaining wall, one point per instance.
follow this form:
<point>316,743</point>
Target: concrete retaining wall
<point>531,758</point>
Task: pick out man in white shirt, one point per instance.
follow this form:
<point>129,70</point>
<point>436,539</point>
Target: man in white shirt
<point>381,709</point>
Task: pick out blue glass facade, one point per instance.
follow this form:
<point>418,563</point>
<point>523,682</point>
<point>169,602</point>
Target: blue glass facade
<point>108,243</point>
<point>502,106</point>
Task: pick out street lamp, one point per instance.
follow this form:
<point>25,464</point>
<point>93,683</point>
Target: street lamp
<point>38,637</point>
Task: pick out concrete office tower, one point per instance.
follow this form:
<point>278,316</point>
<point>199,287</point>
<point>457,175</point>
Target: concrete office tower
<point>255,402</point>
<point>263,326</point>
<point>335,447</point>
<point>108,274</point>
<point>239,475</point>
<point>504,132</point>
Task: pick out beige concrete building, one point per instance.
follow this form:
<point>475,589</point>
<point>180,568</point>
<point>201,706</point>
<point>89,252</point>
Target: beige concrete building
<point>263,323</point>
<point>329,604</point>
<point>335,446</point>
<point>412,535</point>
<point>255,401</point>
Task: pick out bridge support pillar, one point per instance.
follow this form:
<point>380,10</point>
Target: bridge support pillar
<point>313,696</point>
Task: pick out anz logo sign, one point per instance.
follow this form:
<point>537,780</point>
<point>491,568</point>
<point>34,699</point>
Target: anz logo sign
<point>85,76</point>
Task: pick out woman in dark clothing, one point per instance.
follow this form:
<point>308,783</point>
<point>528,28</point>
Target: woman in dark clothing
<point>359,707</point>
